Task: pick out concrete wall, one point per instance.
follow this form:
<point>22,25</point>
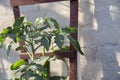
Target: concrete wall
<point>98,35</point>
<point>99,32</point>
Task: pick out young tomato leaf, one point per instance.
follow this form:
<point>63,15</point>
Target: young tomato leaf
<point>8,48</point>
<point>18,22</point>
<point>75,44</point>
<point>37,21</point>
<point>45,43</point>
<point>6,31</point>
<point>56,25</point>
<point>13,36</point>
<point>47,23</point>
<point>20,47</point>
<point>69,30</point>
<point>17,64</point>
<point>59,40</point>
<point>2,40</point>
<point>43,28</point>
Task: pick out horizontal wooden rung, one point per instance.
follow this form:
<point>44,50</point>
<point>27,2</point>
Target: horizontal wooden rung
<point>68,54</point>
<point>30,2</point>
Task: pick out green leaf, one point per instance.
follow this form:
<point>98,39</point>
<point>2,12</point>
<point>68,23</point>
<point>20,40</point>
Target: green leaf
<point>18,22</point>
<point>26,75</point>
<point>52,58</point>
<point>35,34</point>
<point>20,38</point>
<point>63,49</point>
<point>56,25</point>
<point>20,47</point>
<point>37,41</point>
<point>39,69</point>
<point>2,40</point>
<point>37,21</point>
<point>17,64</point>
<point>22,68</point>
<point>28,24</point>
<point>13,36</point>
<point>5,31</point>
<point>41,60</point>
<point>43,28</point>
<point>56,78</point>
<point>8,48</point>
<point>69,30</point>
<point>45,43</point>
<point>35,77</point>
<point>59,40</point>
<point>75,44</point>
<point>47,23</point>
<point>31,75</point>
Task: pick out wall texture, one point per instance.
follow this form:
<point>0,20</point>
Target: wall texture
<point>98,35</point>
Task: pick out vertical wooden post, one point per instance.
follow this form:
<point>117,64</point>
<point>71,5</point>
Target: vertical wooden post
<point>73,23</point>
<point>16,12</point>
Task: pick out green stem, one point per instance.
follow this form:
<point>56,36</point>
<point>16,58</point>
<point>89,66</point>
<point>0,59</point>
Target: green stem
<point>37,47</point>
<point>32,46</point>
<point>33,50</point>
<point>29,54</point>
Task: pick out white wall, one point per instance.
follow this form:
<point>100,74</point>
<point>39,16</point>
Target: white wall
<point>98,34</point>
<point>100,39</point>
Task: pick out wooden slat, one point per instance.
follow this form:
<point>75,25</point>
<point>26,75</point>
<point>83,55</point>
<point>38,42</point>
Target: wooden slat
<point>74,23</point>
<point>68,54</point>
<point>16,12</point>
<point>30,2</point>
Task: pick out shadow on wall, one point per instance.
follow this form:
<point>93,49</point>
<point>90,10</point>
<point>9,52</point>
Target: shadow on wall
<point>107,52</point>
<point>101,40</point>
<point>5,63</point>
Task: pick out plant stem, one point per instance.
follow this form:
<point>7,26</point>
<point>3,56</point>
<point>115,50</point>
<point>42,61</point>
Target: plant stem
<point>32,46</point>
<point>29,54</point>
<point>37,47</point>
<point>33,50</point>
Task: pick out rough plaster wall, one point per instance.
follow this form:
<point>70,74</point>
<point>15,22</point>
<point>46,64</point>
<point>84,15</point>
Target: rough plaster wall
<point>100,39</point>
<point>98,32</point>
<point>6,18</point>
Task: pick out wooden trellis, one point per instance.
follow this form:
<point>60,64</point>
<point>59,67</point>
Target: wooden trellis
<point>72,54</point>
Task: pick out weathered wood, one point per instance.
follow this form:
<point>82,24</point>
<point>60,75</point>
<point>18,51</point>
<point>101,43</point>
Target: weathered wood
<point>73,23</point>
<point>30,2</point>
<point>68,54</point>
<point>16,12</point>
<point>73,67</point>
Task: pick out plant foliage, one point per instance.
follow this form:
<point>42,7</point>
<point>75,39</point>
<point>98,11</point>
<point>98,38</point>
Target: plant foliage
<point>43,34</point>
